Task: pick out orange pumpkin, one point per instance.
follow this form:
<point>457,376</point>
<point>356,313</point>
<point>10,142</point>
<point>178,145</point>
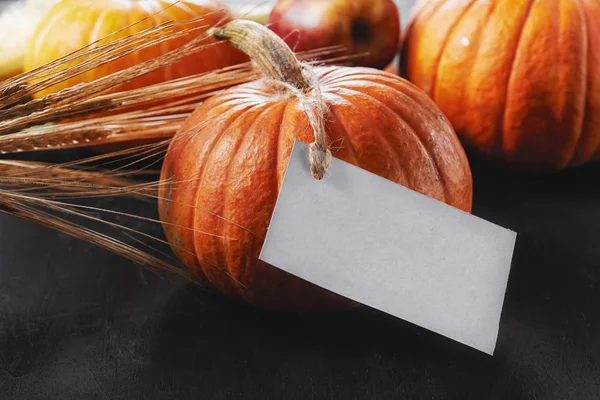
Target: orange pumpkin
<point>72,24</point>
<point>518,79</point>
<point>225,166</point>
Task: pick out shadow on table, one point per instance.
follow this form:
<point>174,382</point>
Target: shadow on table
<point>543,349</point>
<point>233,347</point>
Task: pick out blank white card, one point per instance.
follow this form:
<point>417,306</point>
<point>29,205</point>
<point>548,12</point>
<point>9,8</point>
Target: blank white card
<point>391,248</point>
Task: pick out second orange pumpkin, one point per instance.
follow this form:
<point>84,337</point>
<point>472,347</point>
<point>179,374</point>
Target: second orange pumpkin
<point>518,79</point>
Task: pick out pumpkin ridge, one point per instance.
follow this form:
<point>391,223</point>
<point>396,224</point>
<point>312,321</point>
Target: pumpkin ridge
<point>344,130</point>
<point>398,164</point>
<point>438,58</point>
<point>410,93</point>
<point>39,37</point>
<point>171,173</point>
<point>337,77</point>
<point>167,72</point>
<point>199,178</point>
<point>241,109</point>
<point>426,150</point>
<point>326,74</point>
<point>190,11</point>
<point>234,117</point>
<point>89,75</point>
<point>420,7</point>
<point>502,124</point>
<point>131,29</point>
<point>578,156</point>
<point>242,272</point>
<point>417,13</point>
<point>407,89</point>
<point>183,6</point>
<point>224,194</point>
<point>585,86</point>
<point>473,63</point>
<point>557,28</point>
<point>278,179</point>
<point>580,139</point>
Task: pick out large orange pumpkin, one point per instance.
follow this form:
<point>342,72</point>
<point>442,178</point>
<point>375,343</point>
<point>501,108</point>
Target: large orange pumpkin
<point>518,79</point>
<point>224,168</point>
<point>72,24</point>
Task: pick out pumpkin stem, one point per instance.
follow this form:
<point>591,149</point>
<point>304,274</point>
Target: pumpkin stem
<point>277,61</point>
<point>272,55</point>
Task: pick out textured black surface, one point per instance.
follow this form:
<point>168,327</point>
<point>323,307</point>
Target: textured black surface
<point>77,322</point>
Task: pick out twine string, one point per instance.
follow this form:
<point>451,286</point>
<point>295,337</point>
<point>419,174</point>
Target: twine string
<point>319,155</point>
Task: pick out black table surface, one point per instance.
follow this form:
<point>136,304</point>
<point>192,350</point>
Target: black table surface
<point>77,322</point>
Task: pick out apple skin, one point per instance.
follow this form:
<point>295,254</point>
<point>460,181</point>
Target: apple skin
<point>368,28</point>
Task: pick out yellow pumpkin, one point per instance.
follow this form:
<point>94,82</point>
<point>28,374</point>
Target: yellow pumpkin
<point>72,24</point>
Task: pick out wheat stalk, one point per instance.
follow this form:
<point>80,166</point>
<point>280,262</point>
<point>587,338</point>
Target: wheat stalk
<point>51,194</point>
<point>166,105</point>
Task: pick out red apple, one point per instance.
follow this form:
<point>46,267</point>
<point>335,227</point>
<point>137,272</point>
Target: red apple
<point>369,27</point>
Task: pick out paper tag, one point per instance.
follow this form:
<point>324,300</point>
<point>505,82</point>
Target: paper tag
<point>391,248</point>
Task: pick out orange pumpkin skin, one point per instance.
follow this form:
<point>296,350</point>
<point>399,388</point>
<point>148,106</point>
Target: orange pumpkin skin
<point>225,166</point>
<point>72,24</point>
<point>518,79</point>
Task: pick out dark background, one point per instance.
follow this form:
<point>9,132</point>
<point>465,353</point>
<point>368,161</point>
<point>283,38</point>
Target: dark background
<point>77,322</point>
